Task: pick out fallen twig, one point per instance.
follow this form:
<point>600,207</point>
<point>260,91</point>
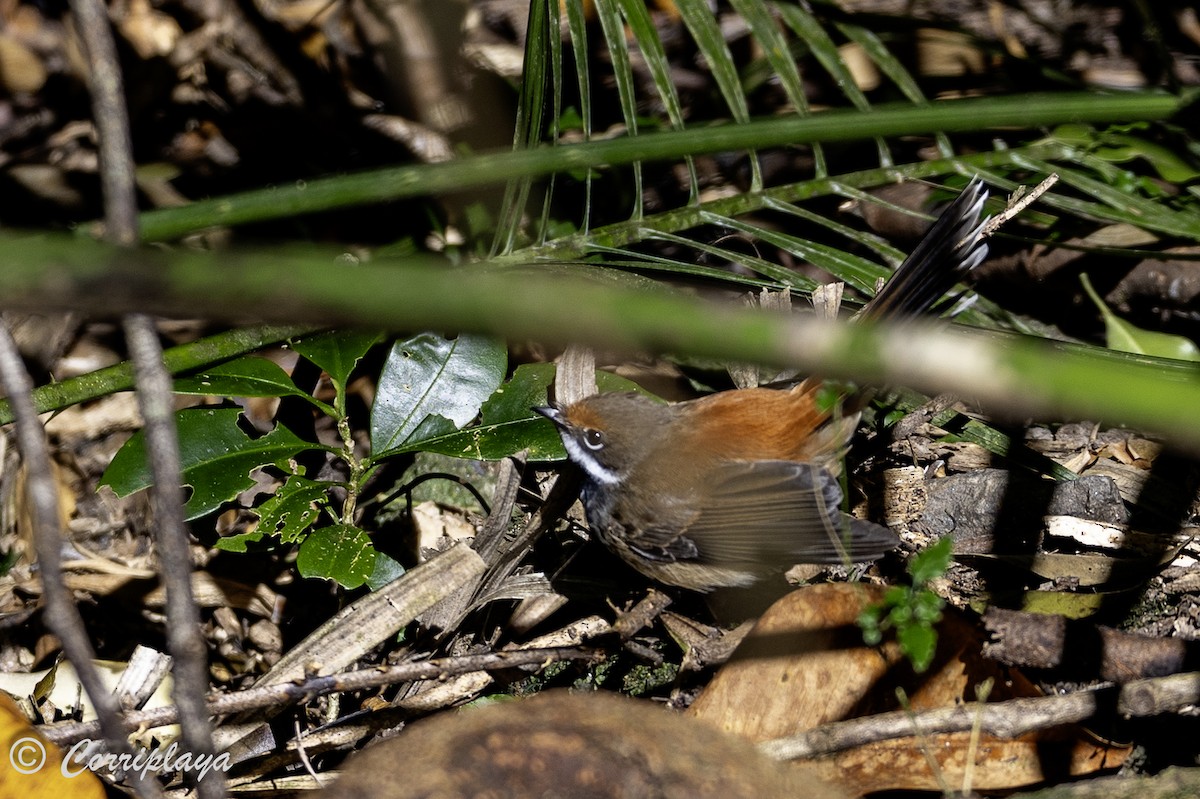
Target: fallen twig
<point>310,687</point>
<point>1008,719</point>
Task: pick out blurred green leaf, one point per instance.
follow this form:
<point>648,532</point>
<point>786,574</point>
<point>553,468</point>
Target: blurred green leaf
<point>913,611</point>
<point>1121,143</point>
<point>932,562</point>
<point>918,642</point>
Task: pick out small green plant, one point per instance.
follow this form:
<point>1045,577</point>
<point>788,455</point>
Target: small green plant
<point>912,610</point>
<point>429,392</point>
<point>450,396</point>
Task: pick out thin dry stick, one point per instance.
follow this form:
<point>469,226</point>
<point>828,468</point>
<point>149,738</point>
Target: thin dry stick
<point>117,168</point>
<point>61,614</point>
<point>154,394</point>
<point>1001,719</point>
<point>1018,202</point>
<point>302,751</point>
<point>1009,719</point>
<point>280,694</point>
<point>184,637</point>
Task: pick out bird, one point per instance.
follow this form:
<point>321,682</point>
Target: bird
<point>722,490</point>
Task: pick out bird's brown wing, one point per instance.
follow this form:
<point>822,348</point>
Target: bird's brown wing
<point>772,514</point>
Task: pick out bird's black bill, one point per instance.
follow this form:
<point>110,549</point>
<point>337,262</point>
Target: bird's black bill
<point>549,411</point>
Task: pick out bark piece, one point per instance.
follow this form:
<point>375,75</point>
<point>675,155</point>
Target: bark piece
<point>998,511</point>
<point>1084,650</point>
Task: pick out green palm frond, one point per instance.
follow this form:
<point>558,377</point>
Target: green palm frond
<point>687,236</point>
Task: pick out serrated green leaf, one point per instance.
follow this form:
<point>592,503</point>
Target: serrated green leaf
<point>215,454</point>
<point>932,562</point>
<point>507,425</point>
<point>868,621</point>
<point>239,542</point>
<point>901,615</point>
<point>1126,337</point>
<point>431,386</point>
<point>338,351</point>
<point>292,509</point>
<point>250,376</point>
<point>927,607</point>
<point>341,552</point>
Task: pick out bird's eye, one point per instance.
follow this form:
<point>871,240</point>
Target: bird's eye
<point>594,439</point>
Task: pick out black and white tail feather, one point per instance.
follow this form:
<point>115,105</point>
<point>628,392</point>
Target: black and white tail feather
<point>953,247</point>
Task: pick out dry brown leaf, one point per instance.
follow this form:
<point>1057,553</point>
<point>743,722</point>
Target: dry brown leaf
<point>947,54</point>
<point>901,764</point>
<point>21,71</point>
<point>806,647</point>
<point>152,33</point>
<point>437,526</point>
<point>804,664</point>
<point>138,587</point>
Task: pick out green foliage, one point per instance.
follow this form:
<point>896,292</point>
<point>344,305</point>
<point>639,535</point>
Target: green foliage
<point>505,424</point>
<point>337,353</point>
<point>431,386</point>
<point>1124,143</point>
<point>435,394</point>
<point>250,376</point>
<point>341,552</point>
<point>644,679</point>
<point>287,514</point>
<point>912,610</point>
<point>216,457</point>
<point>450,396</point>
